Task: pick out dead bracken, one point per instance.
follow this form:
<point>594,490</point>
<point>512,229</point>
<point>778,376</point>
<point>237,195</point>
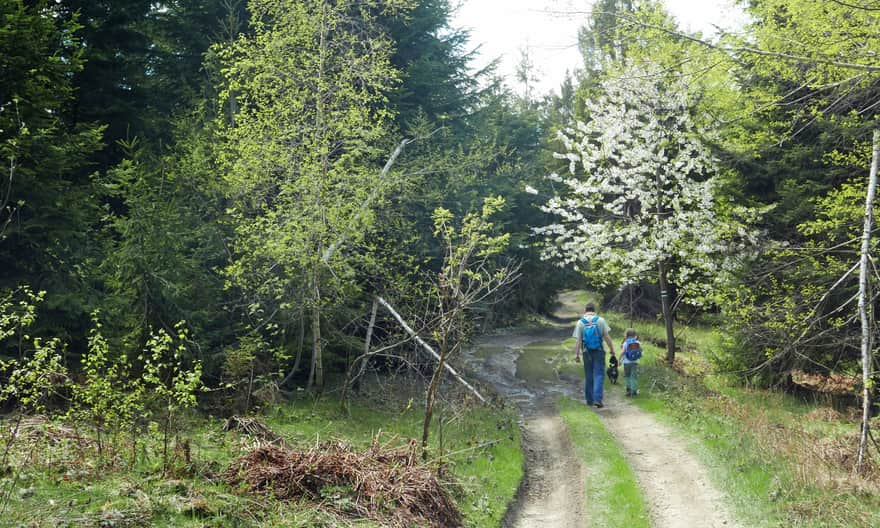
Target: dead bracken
<point>385,483</point>
<point>833,383</point>
<point>253,427</point>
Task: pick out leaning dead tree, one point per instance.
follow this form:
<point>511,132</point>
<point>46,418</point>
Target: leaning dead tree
<point>426,347</point>
<point>360,363</point>
<point>866,315</point>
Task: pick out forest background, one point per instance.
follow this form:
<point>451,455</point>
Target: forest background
<point>208,196</point>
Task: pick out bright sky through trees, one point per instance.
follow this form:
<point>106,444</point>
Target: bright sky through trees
<point>548,28</point>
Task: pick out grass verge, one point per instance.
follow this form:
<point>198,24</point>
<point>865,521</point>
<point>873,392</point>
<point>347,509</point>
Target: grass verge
<point>613,495</point>
<point>50,482</point>
<point>780,460</point>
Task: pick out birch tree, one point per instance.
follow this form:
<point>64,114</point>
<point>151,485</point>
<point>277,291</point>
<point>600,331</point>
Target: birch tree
<point>639,201</point>
<point>310,87</point>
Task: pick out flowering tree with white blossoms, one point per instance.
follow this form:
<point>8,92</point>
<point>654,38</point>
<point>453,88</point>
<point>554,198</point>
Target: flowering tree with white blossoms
<point>639,204</point>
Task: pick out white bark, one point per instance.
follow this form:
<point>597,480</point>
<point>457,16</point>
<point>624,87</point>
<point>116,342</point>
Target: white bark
<point>328,254</point>
<point>864,309</point>
<point>430,350</point>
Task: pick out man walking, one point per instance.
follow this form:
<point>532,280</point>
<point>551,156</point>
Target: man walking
<point>589,334</point>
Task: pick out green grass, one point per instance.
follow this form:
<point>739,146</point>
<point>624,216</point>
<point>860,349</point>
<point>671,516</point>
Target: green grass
<point>721,443</point>
<point>762,445</point>
<point>61,488</point>
<point>613,496</point>
<point>766,453</point>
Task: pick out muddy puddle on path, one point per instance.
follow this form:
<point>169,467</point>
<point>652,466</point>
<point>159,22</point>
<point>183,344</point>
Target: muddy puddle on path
<point>676,486</point>
<point>552,490</point>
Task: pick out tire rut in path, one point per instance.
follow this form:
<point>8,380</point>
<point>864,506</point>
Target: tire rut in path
<point>553,485</point>
<point>675,485</point>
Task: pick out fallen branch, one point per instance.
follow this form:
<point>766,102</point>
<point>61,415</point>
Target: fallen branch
<point>428,348</point>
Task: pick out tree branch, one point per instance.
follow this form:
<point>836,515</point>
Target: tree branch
<point>733,50</point>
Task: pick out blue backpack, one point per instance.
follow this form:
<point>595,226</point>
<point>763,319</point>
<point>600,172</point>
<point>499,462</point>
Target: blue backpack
<point>592,337</point>
<point>632,349</point>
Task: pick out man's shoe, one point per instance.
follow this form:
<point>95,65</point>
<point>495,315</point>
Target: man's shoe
<point>599,405</point>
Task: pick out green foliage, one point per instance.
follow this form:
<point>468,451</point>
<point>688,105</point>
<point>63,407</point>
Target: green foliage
<point>39,373</point>
<point>109,395</point>
<point>142,65</point>
<point>469,275</point>
<point>311,91</point>
<point>468,278</point>
<point>796,314</point>
<point>171,381</point>
<point>168,374</point>
<point>248,377</point>
<point>46,198</point>
<point>18,310</point>
<point>32,382</point>
<point>161,240</point>
<point>432,58</point>
<point>473,239</point>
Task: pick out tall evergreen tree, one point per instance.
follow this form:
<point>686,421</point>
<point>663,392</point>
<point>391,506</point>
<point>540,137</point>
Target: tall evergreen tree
<point>47,200</point>
<point>143,64</point>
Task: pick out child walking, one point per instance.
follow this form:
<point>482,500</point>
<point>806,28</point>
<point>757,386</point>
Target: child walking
<point>630,353</point>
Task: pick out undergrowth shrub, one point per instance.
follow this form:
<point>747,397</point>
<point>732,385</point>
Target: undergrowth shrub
<point>171,381</point>
<point>109,396</point>
<point>249,380</point>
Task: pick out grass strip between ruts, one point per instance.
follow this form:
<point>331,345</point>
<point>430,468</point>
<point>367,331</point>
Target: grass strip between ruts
<point>613,497</point>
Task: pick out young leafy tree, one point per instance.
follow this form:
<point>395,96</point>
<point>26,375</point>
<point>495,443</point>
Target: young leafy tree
<point>639,202</point>
<point>304,150</point>
<point>469,277</point>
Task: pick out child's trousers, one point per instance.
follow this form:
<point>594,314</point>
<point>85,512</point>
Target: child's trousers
<point>631,377</point>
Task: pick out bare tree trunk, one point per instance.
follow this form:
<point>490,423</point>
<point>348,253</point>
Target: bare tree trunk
<point>311,382</point>
<point>430,396</point>
<point>363,360</point>
<point>317,351</point>
<point>232,26</point>
<point>865,315</point>
<point>321,139</point>
<point>299,350</point>
<point>368,340</point>
<point>667,312</point>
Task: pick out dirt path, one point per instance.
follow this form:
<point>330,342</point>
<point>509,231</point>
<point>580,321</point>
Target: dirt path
<point>675,485</point>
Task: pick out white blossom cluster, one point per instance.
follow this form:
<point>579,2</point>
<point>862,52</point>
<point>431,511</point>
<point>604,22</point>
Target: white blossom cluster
<point>640,191</point>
